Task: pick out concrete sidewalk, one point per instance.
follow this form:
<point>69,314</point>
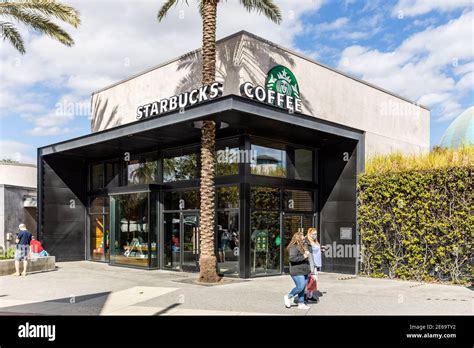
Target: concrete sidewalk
<point>88,288</point>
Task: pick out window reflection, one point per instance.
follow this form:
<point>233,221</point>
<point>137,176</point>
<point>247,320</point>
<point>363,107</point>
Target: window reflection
<point>180,168</point>
<point>112,174</point>
<point>268,161</point>
<point>227,161</point>
<point>296,200</point>
<point>97,176</point>
<point>142,171</point>
<point>265,198</point>
<point>131,230</point>
<point>181,200</point>
<point>303,164</point>
<point>265,242</point>
<point>227,197</point>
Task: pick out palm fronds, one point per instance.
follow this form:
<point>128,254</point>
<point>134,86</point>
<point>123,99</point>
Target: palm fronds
<point>267,7</point>
<point>38,15</point>
<point>165,8</point>
<point>9,33</point>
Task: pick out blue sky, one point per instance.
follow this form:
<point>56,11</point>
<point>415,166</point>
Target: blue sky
<point>420,49</point>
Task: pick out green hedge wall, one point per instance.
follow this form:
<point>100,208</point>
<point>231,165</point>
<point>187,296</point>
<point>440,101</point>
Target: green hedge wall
<point>417,224</point>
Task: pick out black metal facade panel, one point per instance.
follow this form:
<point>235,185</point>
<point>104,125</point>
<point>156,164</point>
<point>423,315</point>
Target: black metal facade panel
<point>63,207</point>
<point>335,260</point>
<point>344,191</point>
<point>58,196</point>
<point>69,247</point>
<point>63,212</point>
<point>339,211</point>
<point>338,203</point>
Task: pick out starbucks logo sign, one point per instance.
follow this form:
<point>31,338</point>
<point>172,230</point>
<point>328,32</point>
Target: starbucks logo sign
<point>281,90</point>
<point>280,79</point>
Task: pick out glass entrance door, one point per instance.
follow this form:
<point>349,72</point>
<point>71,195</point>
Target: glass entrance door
<point>171,240</point>
<point>293,223</point>
<point>99,235</point>
<point>181,241</point>
<point>190,237</point>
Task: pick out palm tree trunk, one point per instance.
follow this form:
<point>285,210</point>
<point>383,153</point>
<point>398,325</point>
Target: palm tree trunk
<point>207,261</point>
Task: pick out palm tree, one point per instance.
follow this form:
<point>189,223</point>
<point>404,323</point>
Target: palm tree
<point>208,10</point>
<point>38,15</point>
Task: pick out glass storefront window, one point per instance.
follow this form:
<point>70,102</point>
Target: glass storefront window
<point>98,229</point>
<point>180,168</point>
<point>154,219</point>
<point>227,197</point>
<point>181,200</point>
<point>296,200</point>
<point>97,205</point>
<point>265,198</point>
<point>303,164</point>
<point>112,174</point>
<point>131,230</point>
<point>172,245</point>
<point>227,161</point>
<point>268,161</point>
<point>97,176</point>
<point>142,170</point>
<point>228,234</point>
<point>228,241</point>
<point>265,242</point>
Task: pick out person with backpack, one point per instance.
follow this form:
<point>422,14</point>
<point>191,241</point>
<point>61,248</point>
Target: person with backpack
<point>299,269</point>
<point>23,240</point>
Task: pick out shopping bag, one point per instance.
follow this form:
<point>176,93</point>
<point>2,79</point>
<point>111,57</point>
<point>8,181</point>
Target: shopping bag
<point>312,285</point>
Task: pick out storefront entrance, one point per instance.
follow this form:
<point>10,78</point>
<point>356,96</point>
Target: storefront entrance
<point>99,234</point>
<point>291,224</point>
<point>181,241</point>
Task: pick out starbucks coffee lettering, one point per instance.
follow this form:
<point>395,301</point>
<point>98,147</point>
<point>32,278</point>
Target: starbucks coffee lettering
<point>181,101</point>
<point>271,97</point>
<point>281,90</point>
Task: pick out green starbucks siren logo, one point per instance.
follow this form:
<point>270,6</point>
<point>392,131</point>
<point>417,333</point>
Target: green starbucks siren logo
<point>281,90</point>
<point>281,80</point>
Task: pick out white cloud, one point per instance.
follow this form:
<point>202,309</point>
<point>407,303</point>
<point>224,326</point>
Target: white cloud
<point>119,39</point>
<point>412,8</point>
<point>419,68</point>
<point>464,68</point>
<point>466,82</point>
<point>49,131</point>
<point>335,25</point>
<point>434,98</point>
<point>15,150</point>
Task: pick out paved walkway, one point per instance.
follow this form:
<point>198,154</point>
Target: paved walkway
<point>88,288</point>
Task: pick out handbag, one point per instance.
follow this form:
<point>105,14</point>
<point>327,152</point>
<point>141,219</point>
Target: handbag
<point>312,285</point>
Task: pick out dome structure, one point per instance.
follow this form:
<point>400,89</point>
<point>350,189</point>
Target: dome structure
<point>460,131</point>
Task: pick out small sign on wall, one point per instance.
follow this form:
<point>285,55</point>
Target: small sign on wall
<point>345,233</point>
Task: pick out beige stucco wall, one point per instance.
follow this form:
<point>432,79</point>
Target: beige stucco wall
<point>390,122</point>
<point>18,175</point>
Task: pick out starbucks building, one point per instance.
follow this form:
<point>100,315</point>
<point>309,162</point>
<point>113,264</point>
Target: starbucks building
<point>292,135</point>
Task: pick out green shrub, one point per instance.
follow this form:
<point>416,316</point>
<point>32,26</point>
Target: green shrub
<point>9,254</point>
<point>418,224</point>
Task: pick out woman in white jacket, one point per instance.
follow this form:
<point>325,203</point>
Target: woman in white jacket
<point>315,259</point>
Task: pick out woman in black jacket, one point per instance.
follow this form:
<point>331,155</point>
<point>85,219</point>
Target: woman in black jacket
<point>299,269</point>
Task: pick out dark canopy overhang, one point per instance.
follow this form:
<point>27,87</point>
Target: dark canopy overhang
<point>176,129</point>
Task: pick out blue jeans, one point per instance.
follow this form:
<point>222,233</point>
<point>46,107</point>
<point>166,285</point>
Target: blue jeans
<point>300,282</point>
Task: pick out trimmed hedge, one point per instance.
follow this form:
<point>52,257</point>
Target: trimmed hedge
<point>417,224</point>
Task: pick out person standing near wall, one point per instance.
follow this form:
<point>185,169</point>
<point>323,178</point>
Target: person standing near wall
<point>23,240</point>
<point>299,269</point>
